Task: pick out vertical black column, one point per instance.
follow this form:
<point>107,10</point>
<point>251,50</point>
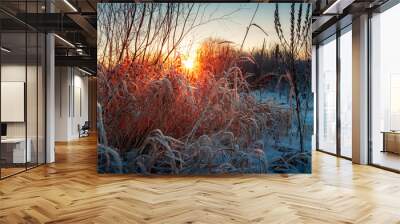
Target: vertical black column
<point>37,87</point>
<point>338,72</point>
<point>26,86</point>
<point>317,97</point>
<point>1,26</point>
<point>369,125</point>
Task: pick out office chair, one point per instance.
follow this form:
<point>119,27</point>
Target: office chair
<point>84,130</point>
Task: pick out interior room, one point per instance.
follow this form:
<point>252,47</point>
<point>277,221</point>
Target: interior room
<point>385,87</point>
<point>22,103</point>
<point>214,112</point>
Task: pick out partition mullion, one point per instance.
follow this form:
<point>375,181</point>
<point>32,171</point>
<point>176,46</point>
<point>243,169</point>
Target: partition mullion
<point>26,87</point>
<point>37,90</point>
<point>1,164</point>
<point>338,80</point>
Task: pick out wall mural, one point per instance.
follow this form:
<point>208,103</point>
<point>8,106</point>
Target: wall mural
<point>204,88</point>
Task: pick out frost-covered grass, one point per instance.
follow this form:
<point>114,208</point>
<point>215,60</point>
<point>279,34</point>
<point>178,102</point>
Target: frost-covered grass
<point>154,120</point>
<point>168,124</point>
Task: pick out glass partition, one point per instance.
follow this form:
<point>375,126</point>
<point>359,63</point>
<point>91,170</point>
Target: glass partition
<point>346,93</point>
<point>22,88</point>
<point>385,89</point>
<point>14,151</point>
<point>41,96</point>
<point>32,96</point>
<point>327,95</point>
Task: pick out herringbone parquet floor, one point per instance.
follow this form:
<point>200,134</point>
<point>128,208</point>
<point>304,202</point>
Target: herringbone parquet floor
<point>70,191</point>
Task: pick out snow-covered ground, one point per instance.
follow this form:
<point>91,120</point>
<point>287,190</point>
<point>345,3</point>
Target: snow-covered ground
<point>275,147</point>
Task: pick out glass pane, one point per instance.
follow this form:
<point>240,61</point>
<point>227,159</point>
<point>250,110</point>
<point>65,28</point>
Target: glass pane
<point>22,89</point>
<point>385,84</point>
<point>31,97</point>
<point>13,86</point>
<point>41,98</point>
<point>327,96</point>
<point>346,94</point>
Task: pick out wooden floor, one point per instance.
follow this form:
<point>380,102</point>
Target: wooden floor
<point>5,172</point>
<point>387,159</point>
<point>70,191</point>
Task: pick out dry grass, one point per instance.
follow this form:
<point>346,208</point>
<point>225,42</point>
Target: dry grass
<point>160,121</point>
<point>159,115</point>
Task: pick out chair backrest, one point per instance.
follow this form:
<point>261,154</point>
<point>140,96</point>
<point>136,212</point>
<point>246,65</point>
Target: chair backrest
<point>86,125</point>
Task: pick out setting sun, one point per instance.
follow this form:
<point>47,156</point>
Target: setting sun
<point>188,63</point>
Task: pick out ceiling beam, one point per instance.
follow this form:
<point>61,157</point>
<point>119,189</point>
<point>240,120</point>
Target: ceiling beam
<point>337,7</point>
<point>79,61</point>
<point>86,26</point>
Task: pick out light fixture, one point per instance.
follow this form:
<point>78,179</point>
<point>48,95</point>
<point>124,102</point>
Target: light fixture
<point>70,5</point>
<point>80,51</point>
<point>84,71</point>
<point>337,7</point>
<point>5,50</point>
<point>329,9</point>
<point>64,40</point>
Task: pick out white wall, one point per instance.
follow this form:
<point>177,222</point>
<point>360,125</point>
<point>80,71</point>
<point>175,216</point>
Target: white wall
<point>70,83</point>
<point>16,73</point>
<point>33,127</point>
<point>62,81</point>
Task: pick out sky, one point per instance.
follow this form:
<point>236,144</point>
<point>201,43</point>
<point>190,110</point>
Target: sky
<point>232,22</point>
<point>233,27</point>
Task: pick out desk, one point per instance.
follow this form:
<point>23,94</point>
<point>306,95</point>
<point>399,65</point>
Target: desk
<point>15,148</point>
<point>391,141</point>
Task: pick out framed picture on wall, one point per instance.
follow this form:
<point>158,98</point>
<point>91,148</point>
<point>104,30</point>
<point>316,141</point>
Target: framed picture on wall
<point>204,88</point>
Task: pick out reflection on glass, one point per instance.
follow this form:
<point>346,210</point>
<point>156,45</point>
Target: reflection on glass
<point>41,99</point>
<point>346,94</point>
<point>14,153</point>
<point>394,102</point>
<point>22,90</point>
<point>31,100</point>
<point>385,93</point>
<point>327,96</point>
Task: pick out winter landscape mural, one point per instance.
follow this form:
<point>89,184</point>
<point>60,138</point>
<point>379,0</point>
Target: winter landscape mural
<point>204,88</point>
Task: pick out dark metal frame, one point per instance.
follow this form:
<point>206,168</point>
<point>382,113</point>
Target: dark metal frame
<point>338,98</point>
<point>44,57</point>
<point>369,98</point>
<point>0,87</point>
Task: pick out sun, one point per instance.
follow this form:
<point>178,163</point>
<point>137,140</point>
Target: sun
<point>188,63</point>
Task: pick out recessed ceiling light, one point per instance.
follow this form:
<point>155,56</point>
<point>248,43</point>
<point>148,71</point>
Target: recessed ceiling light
<point>64,40</point>
<point>84,71</point>
<point>5,50</point>
<point>337,7</point>
<point>70,5</point>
